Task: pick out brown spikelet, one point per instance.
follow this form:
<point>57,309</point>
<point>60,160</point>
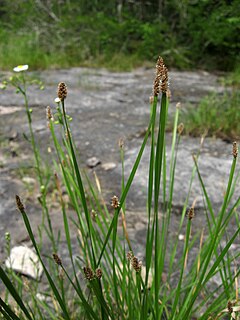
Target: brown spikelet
<point>19,204</point>
<point>178,105</point>
<point>57,259</point>
<point>164,81</point>
<point>129,255</point>
<point>161,78</point>
<point>49,113</point>
<point>121,143</point>
<point>191,213</point>
<point>230,307</point>
<point>115,202</point>
<point>180,128</point>
<point>88,272</point>
<point>136,264</point>
<point>235,150</point>
<point>62,91</point>
<point>98,273</point>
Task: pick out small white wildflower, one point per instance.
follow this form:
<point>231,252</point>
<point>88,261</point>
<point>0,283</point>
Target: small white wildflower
<point>21,68</point>
<point>57,100</point>
<point>181,237</point>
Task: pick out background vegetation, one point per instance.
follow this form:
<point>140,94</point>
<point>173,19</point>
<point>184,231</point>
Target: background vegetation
<point>120,34</point>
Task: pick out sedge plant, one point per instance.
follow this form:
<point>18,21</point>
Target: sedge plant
<point>107,280</point>
<point>21,81</point>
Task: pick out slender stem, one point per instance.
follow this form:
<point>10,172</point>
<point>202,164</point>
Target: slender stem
<point>80,185</point>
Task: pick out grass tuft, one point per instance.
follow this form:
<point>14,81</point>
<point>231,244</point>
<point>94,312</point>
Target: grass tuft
<point>106,280</point>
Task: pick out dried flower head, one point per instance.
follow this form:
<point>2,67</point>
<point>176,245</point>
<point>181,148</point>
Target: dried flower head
<point>49,113</point>
<point>164,81</point>
<point>180,128</point>
<point>191,213</point>
<point>19,204</point>
<point>136,264</point>
<point>121,143</point>
<point>57,259</point>
<point>115,202</point>
<point>230,307</point>
<point>129,255</point>
<point>178,105</point>
<point>98,273</point>
<point>161,79</point>
<point>62,91</point>
<point>88,272</point>
<point>235,150</point>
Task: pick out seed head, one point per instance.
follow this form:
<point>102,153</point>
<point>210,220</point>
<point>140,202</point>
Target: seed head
<point>19,204</point>
<point>62,91</point>
<point>180,128</point>
<point>129,255</point>
<point>136,264</point>
<point>161,79</point>
<point>49,113</point>
<point>178,105</point>
<point>89,274</point>
<point>230,307</point>
<point>98,273</point>
<point>121,143</point>
<point>115,202</point>
<point>164,82</point>
<point>191,213</point>
<point>57,259</point>
<point>235,150</point>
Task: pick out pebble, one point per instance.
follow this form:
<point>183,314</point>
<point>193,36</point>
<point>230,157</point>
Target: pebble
<point>92,162</point>
<point>24,261</point>
<point>109,166</point>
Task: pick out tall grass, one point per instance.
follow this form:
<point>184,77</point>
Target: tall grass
<point>215,115</point>
<point>107,280</point>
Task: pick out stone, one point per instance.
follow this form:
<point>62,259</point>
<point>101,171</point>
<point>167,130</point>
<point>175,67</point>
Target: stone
<point>109,166</point>
<point>25,261</point>
<point>93,162</point>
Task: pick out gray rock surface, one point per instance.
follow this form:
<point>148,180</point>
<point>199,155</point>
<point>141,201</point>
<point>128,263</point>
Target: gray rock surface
<point>105,107</point>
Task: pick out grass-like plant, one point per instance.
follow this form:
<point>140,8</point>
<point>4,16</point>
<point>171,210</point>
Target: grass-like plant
<point>215,115</point>
<point>107,280</point>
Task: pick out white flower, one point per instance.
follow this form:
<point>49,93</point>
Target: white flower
<point>181,237</point>
<point>57,100</point>
<point>21,68</point>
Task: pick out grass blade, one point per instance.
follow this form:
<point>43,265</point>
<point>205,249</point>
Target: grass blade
<point>15,295</point>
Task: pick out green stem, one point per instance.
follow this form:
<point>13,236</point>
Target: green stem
<point>80,185</point>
